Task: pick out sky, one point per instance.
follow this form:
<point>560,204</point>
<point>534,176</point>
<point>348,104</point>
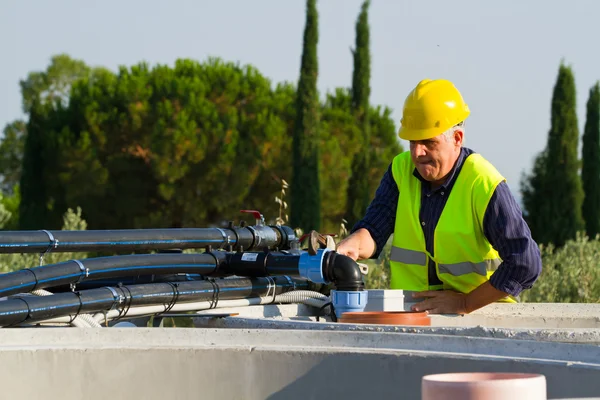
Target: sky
<point>502,55</point>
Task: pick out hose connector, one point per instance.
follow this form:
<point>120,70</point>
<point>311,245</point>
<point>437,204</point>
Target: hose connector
<point>348,301</point>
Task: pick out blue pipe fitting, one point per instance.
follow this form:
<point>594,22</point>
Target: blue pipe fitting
<point>349,301</point>
<point>311,267</point>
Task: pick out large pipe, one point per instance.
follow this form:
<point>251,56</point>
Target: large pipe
<point>76,271</point>
<point>26,309</point>
<point>323,267</point>
<point>231,238</point>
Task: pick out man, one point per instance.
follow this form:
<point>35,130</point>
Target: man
<point>460,240</point>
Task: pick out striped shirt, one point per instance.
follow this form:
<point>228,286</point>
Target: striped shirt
<point>503,224</point>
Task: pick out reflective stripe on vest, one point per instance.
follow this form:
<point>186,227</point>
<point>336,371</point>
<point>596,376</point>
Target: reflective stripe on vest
<point>407,256</point>
<point>463,268</point>
<point>413,257</point>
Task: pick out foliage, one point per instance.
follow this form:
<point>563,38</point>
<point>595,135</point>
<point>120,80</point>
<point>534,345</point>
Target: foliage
<point>182,146</point>
<point>306,184</point>
<point>379,269</point>
<point>10,204</point>
<point>570,273</point>
<point>11,154</point>
<point>590,168</point>
<point>359,195</point>
<point>552,194</point>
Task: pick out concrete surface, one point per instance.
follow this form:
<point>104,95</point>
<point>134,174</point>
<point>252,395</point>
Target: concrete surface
<point>285,352</point>
<point>569,323</point>
<point>53,363</point>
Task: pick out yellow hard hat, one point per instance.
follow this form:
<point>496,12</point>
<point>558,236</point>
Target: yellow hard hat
<point>430,109</point>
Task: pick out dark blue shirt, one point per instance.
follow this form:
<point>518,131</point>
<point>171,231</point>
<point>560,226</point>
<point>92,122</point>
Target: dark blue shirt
<point>503,224</point>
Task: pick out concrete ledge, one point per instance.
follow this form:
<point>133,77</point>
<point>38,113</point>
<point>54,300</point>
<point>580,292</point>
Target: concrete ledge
<point>268,364</point>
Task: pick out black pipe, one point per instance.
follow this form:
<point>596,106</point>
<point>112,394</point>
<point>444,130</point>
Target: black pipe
<point>339,269</point>
<point>343,271</point>
<point>270,263</point>
<point>26,309</point>
<point>75,271</point>
<point>129,280</point>
<point>231,238</point>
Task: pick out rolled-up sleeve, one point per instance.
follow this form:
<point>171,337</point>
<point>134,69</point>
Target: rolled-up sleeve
<point>508,232</point>
<point>380,217</point>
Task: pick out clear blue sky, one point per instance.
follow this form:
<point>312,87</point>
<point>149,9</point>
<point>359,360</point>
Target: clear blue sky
<point>503,55</point>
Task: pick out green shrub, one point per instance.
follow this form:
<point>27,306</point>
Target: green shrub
<point>570,274</point>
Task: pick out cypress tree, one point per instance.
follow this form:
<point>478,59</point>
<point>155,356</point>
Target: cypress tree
<point>32,209</point>
<point>553,195</point>
<point>305,187</point>
<point>359,195</point>
<point>590,169</point>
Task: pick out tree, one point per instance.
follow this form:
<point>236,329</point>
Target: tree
<point>53,85</point>
<point>359,194</point>
<point>305,188</point>
<point>590,169</point>
<point>46,98</point>
<point>553,195</point>
<point>11,154</point>
<point>341,140</point>
<point>185,146</point>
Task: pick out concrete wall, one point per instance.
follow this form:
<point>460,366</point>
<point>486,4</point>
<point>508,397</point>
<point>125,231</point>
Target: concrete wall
<point>62,363</point>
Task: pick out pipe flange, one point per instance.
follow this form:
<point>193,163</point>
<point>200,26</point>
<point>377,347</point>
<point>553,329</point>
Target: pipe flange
<point>225,236</point>
<point>256,241</point>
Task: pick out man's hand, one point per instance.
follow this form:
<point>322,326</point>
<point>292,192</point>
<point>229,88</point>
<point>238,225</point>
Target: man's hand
<point>451,302</point>
<point>441,302</point>
<point>359,245</point>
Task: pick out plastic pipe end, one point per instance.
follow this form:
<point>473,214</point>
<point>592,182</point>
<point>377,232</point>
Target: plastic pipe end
<point>349,301</point>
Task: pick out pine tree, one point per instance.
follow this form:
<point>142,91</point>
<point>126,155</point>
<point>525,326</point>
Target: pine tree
<point>553,195</point>
<point>590,169</point>
<point>359,194</point>
<point>305,188</point>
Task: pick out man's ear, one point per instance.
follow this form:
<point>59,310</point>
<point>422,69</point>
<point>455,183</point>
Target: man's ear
<point>458,137</point>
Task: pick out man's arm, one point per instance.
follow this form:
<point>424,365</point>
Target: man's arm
<point>507,231</point>
<point>370,234</point>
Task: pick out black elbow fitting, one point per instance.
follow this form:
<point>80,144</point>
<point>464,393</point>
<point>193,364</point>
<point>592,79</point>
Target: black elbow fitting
<point>343,271</point>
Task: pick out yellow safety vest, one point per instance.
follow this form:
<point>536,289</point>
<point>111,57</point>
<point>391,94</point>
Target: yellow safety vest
<point>464,259</point>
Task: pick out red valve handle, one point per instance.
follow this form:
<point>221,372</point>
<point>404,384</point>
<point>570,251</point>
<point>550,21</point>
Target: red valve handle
<point>255,213</point>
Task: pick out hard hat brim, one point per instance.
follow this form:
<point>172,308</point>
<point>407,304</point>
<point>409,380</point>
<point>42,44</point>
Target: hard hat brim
<point>419,134</point>
<point>429,133</point>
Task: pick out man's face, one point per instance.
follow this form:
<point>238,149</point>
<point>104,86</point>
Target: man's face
<point>434,158</point>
